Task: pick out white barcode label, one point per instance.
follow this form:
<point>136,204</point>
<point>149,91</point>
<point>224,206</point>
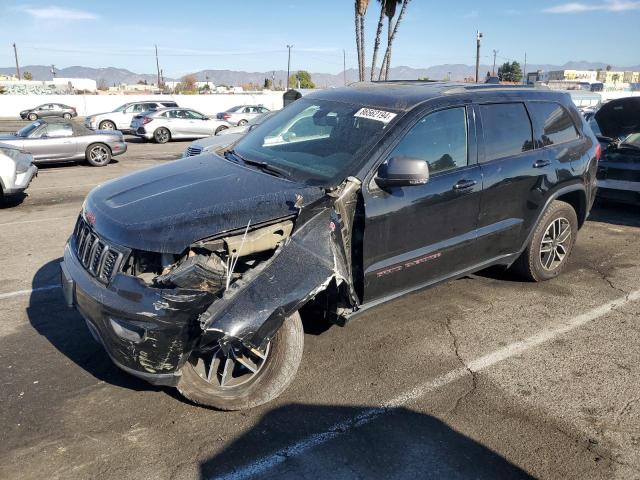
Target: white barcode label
<point>373,114</point>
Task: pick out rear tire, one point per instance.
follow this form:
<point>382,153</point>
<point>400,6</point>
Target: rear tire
<point>219,129</point>
<point>33,117</point>
<point>66,116</point>
<point>162,135</point>
<point>551,244</point>
<point>98,155</point>
<point>242,123</point>
<point>283,358</point>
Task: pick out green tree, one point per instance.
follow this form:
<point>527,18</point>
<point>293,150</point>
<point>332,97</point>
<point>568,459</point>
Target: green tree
<point>27,76</point>
<point>2,90</point>
<point>302,78</point>
<point>510,72</point>
<point>268,84</point>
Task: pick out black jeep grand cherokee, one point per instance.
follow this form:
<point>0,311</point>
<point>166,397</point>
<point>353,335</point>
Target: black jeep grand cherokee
<point>192,273</point>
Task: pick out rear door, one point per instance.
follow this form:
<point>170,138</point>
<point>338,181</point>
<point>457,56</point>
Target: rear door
<point>419,234</point>
<point>516,177</point>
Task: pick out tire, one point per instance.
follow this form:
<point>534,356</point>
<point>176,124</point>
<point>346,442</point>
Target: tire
<point>161,135</point>
<point>107,125</point>
<point>242,123</point>
<point>283,358</point>
<point>98,154</point>
<point>537,265</point>
<point>219,129</point>
<point>66,116</point>
<point>32,116</point>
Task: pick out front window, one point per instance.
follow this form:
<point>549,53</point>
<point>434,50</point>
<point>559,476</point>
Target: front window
<point>319,142</point>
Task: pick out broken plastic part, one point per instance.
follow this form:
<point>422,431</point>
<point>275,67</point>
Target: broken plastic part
<point>260,240</point>
<point>196,272</point>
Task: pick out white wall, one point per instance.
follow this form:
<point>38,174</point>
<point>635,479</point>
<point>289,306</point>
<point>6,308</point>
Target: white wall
<point>11,105</point>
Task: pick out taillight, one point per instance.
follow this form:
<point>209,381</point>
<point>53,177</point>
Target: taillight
<point>598,152</point>
<point>74,109</point>
<point>146,120</point>
<point>226,116</point>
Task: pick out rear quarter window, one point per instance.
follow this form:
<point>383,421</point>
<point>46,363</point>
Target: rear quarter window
<point>553,124</point>
<point>507,130</point>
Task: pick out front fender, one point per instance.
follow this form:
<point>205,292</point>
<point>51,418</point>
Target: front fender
<point>253,308</point>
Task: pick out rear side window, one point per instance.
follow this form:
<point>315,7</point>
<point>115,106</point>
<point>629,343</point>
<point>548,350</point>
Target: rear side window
<point>553,123</point>
<point>169,104</point>
<point>507,130</point>
<point>440,139</point>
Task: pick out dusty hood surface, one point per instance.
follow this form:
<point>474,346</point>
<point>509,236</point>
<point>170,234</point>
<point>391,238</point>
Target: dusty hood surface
<point>167,208</point>
<point>619,118</point>
<point>9,136</point>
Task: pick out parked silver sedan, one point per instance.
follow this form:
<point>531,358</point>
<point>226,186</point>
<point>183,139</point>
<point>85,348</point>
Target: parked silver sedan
<point>54,140</point>
<point>242,114</point>
<point>174,123</point>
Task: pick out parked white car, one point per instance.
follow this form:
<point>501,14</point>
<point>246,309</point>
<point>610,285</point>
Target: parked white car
<point>16,170</point>
<point>175,123</point>
<point>120,118</point>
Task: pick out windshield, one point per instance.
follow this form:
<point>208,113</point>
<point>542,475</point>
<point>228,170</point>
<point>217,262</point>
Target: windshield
<point>633,139</point>
<point>235,109</point>
<point>318,141</point>
<point>26,131</point>
<point>121,108</point>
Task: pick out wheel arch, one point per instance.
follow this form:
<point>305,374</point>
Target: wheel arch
<point>575,195</point>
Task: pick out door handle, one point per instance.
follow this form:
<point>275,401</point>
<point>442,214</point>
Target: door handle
<point>464,184</point>
<point>541,163</point>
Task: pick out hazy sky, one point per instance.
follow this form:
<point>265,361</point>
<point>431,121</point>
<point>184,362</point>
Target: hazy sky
<point>251,35</point>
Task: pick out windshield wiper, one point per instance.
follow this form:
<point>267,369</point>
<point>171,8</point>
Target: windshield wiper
<point>264,166</point>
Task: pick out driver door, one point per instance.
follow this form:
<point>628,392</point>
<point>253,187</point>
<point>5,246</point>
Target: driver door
<point>415,235</point>
<point>51,142</point>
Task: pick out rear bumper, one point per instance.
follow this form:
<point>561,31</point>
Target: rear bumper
<point>630,197</point>
<point>142,132</point>
<point>21,181</point>
<point>118,148</point>
<point>147,332</point>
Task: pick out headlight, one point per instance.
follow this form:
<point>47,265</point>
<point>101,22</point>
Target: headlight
<point>23,159</point>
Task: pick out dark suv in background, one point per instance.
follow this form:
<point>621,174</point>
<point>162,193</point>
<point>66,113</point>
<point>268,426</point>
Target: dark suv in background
<point>193,273</point>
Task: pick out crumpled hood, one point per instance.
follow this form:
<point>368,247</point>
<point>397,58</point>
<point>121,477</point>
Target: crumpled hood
<point>167,208</point>
<point>619,118</point>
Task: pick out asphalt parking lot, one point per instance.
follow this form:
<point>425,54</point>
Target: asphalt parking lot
<point>483,377</point>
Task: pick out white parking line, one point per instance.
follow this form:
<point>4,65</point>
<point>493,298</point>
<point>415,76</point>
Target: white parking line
<point>19,293</point>
<point>266,463</point>
<point>64,186</point>
<point>48,219</point>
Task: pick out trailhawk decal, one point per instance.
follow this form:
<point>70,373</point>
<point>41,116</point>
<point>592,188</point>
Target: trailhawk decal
<point>378,115</point>
<point>408,264</point>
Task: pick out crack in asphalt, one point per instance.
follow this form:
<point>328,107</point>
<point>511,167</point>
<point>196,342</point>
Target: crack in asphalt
<point>606,277</point>
<point>456,351</point>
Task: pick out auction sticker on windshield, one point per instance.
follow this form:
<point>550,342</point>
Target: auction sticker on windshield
<point>373,114</point>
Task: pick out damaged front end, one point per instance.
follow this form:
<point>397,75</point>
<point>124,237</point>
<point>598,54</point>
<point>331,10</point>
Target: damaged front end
<point>232,289</point>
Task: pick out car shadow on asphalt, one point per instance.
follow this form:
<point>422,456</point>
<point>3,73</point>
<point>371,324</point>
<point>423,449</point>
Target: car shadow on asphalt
<point>615,214</point>
<point>398,443</point>
<point>66,330</point>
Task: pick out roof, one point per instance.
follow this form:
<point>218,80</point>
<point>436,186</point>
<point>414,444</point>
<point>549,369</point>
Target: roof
<point>405,95</point>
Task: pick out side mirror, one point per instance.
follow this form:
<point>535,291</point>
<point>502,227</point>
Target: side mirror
<point>402,172</point>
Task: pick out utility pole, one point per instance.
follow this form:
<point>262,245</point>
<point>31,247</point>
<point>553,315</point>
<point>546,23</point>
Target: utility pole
<point>273,80</point>
<point>478,38</point>
<point>448,76</point>
<point>53,71</point>
<point>524,73</point>
<point>495,53</point>
<point>344,66</point>
<point>158,66</point>
<point>288,66</point>
<point>15,53</point>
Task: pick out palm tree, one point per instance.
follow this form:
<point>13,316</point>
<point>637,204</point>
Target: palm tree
<point>360,10</point>
<point>390,11</point>
<point>376,45</point>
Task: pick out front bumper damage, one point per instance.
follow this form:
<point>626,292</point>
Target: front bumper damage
<point>151,332</point>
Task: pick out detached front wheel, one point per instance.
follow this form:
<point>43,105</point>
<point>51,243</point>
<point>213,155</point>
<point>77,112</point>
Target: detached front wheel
<point>242,377</point>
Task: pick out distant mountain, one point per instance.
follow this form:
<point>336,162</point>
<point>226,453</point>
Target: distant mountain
<point>111,76</point>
